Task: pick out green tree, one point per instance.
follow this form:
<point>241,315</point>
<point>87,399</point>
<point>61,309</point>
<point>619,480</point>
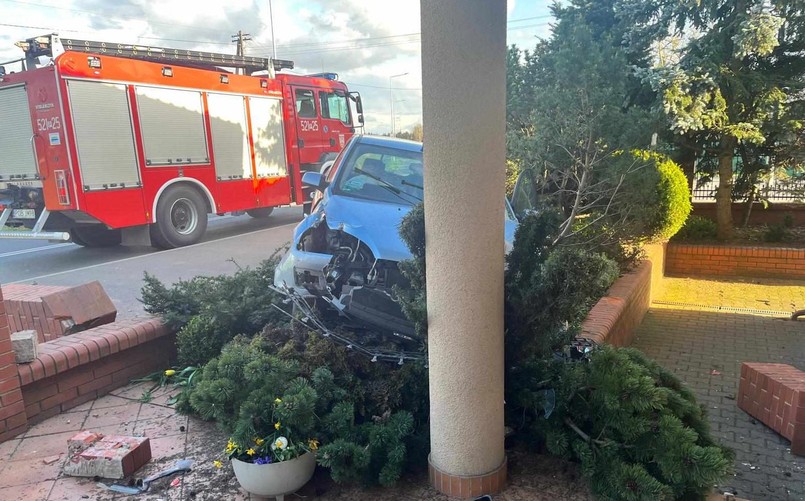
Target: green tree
<point>575,104</point>
<point>734,90</point>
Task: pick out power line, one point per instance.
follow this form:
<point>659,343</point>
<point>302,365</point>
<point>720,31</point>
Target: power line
<point>32,27</point>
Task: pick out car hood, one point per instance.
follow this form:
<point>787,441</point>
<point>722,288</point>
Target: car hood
<point>374,223</point>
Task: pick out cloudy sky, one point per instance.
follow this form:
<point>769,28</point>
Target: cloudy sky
<point>364,41</point>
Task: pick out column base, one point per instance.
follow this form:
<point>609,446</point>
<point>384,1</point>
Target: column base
<point>471,486</point>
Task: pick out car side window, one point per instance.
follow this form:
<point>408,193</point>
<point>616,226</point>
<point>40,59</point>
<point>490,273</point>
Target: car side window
<point>305,103</point>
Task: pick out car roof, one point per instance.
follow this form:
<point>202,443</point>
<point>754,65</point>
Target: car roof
<point>390,142</point>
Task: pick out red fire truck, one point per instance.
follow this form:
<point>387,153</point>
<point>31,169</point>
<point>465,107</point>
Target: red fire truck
<point>109,143</point>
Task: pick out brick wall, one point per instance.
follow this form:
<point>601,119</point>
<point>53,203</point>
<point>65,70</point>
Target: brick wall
<point>26,311</point>
<point>81,367</point>
<point>656,254</point>
<point>12,407</point>
<point>74,369</point>
<point>718,260</point>
<point>50,310</point>
<point>615,316</point>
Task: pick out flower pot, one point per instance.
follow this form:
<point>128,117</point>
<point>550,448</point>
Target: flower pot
<point>275,479</point>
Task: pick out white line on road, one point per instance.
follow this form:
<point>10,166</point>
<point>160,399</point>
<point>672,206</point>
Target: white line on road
<point>36,249</point>
<point>148,255</point>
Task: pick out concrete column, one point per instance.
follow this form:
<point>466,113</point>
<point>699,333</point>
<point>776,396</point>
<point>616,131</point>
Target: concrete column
<point>13,419</point>
<point>464,100</point>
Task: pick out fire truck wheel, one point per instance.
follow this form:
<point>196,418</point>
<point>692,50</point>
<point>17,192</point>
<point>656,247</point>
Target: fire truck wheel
<point>181,218</point>
<point>261,213</point>
<point>95,236</point>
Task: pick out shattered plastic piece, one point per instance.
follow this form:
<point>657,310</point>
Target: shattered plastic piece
<point>176,482</point>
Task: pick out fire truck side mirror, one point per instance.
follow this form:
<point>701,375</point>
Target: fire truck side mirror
<point>360,118</point>
<point>358,103</point>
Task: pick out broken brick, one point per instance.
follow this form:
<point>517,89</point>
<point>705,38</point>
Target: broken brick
<point>95,455</point>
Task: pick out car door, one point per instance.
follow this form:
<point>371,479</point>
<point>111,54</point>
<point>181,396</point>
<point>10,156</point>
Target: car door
<point>308,125</point>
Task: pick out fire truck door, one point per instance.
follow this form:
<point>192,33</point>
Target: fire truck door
<point>309,126</point>
<point>335,119</point>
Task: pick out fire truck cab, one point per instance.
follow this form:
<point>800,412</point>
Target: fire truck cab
<point>110,143</point>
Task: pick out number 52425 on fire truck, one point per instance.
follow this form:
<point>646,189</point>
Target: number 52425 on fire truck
<point>111,143</point>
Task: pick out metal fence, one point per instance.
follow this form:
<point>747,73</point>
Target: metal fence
<point>791,191</point>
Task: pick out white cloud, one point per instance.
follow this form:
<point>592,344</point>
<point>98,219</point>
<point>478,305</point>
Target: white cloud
<point>365,41</point>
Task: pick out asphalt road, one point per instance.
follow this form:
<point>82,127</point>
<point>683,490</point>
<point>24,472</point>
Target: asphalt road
<point>229,242</point>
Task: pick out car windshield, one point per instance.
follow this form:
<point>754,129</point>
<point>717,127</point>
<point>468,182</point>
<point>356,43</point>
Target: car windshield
<point>382,173</point>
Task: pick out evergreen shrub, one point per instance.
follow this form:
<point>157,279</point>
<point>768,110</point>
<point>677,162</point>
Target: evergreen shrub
<point>370,418</point>
<point>634,427</point>
<point>653,200</point>
<point>210,311</point>
<point>697,229</point>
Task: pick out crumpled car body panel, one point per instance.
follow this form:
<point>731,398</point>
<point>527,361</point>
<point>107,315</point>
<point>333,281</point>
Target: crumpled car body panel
<point>346,253</point>
<point>373,223</point>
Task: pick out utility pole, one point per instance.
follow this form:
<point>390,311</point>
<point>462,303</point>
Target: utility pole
<point>238,39</point>
<point>391,99</point>
<point>273,38</point>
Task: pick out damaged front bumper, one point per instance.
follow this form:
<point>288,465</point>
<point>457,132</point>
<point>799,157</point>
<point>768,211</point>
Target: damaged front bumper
<point>348,279</point>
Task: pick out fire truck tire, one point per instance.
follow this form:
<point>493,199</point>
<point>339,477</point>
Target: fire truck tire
<point>95,236</point>
<point>260,213</point>
<point>181,218</point>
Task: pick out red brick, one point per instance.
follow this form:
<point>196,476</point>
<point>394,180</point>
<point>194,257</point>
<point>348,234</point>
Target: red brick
<point>32,409</point>
<point>8,371</point>
<point>75,378</point>
<point>58,398</point>
<point>49,364</point>
<point>9,384</point>
<point>94,384</point>
<point>16,421</point>
<point>10,397</point>
<point>7,359</point>
<point>11,410</point>
<point>37,369</point>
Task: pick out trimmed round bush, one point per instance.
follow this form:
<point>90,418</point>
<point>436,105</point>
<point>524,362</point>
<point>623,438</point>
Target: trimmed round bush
<point>653,199</point>
<point>674,195</point>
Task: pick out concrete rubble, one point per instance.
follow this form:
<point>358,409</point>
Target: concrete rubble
<point>24,344</point>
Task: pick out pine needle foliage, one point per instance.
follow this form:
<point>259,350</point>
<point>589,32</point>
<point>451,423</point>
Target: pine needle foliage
<point>637,432</point>
<point>370,419</point>
<point>210,311</point>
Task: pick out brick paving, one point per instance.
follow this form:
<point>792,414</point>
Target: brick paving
<point>705,348</point>
<point>31,464</point>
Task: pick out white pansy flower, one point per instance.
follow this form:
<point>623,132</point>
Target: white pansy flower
<point>280,443</point>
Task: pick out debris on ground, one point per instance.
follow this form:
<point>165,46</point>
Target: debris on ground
<point>106,456</point>
<point>181,466</point>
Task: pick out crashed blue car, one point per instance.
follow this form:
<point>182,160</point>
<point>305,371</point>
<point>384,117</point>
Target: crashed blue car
<point>344,254</point>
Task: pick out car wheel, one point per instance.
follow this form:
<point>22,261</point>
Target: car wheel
<point>181,218</point>
<point>261,213</point>
<point>95,236</point>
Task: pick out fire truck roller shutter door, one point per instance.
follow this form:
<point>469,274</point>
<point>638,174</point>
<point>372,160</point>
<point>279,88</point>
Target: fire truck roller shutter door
<point>181,217</point>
